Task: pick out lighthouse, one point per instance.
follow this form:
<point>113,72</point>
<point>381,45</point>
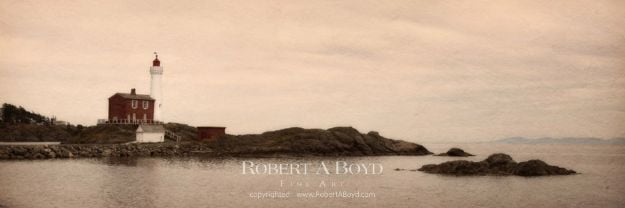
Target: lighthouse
<point>156,73</point>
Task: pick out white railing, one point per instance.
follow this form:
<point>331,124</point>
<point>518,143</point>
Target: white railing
<point>173,136</point>
<point>126,121</point>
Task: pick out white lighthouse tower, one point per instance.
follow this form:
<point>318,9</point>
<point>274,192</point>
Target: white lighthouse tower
<point>156,72</point>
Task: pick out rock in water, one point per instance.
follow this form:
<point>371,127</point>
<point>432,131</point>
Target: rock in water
<point>500,164</point>
<point>496,164</point>
<point>458,167</point>
<point>499,159</point>
<point>539,168</point>
<point>455,152</point>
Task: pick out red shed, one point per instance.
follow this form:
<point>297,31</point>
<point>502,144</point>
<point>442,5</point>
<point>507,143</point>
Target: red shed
<point>131,107</point>
<point>210,132</point>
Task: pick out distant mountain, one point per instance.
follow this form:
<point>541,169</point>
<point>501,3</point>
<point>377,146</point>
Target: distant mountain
<point>564,140</point>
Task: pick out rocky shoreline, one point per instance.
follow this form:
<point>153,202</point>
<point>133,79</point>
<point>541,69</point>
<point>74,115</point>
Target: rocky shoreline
<point>36,152</point>
<point>17,152</point>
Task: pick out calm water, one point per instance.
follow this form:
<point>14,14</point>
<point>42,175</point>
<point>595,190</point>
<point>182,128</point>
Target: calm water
<point>209,182</point>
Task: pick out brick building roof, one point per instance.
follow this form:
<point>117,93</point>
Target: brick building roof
<point>135,96</point>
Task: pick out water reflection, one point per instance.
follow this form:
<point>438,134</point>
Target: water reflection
<point>116,161</point>
<point>130,188</point>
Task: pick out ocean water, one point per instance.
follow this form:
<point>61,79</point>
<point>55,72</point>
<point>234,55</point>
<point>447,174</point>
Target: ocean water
<point>220,182</point>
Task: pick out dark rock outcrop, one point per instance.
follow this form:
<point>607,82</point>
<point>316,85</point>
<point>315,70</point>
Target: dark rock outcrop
<point>539,168</point>
<point>455,152</point>
<point>496,164</point>
<point>338,141</point>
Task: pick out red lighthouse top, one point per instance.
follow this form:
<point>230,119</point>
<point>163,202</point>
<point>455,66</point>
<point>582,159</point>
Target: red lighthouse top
<point>156,62</point>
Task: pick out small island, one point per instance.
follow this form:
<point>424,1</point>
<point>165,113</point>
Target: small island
<point>496,164</point>
<point>455,152</point>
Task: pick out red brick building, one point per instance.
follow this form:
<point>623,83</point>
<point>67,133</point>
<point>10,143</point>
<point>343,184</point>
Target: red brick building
<point>131,107</point>
<point>210,132</point>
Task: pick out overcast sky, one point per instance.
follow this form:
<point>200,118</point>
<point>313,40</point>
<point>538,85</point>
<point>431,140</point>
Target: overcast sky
<point>412,70</point>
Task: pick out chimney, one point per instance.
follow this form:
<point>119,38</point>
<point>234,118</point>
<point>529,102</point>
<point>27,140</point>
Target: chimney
<point>132,91</point>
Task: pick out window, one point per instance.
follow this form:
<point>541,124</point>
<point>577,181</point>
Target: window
<point>146,104</point>
<point>134,104</point>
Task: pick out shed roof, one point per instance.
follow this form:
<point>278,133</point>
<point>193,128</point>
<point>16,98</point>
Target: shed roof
<point>150,128</point>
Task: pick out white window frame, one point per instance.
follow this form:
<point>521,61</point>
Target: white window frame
<point>135,103</point>
<point>146,104</point>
